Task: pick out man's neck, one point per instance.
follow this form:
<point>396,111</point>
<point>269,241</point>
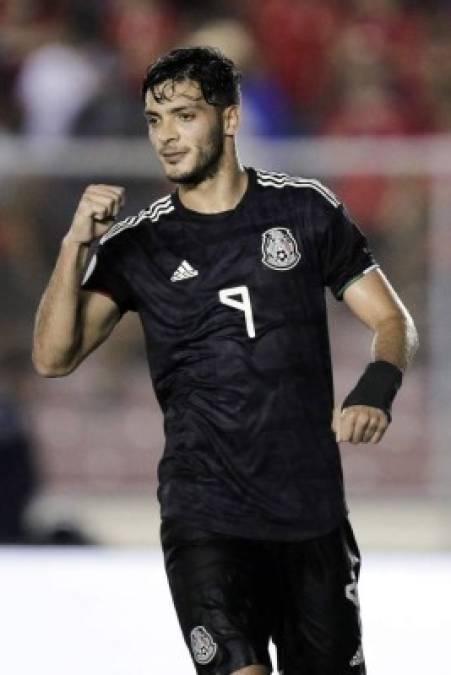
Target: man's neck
<point>219,193</point>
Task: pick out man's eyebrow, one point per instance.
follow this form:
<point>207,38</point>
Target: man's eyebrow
<point>180,108</point>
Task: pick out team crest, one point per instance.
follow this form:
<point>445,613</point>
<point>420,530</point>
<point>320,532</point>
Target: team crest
<point>203,646</point>
<point>280,249</point>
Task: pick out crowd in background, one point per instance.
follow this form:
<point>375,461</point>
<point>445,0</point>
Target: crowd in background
<point>72,68</point>
<point>309,66</point>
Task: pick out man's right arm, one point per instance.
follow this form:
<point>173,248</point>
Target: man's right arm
<point>70,322</point>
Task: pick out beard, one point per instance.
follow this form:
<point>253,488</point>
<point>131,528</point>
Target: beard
<point>207,164</point>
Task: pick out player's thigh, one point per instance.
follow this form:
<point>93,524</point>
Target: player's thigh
<point>321,632</point>
<point>219,589</point>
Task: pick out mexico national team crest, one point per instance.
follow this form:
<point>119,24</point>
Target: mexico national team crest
<point>280,249</point>
<point>203,646</point>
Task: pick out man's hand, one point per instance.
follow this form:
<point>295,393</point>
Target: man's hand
<point>96,211</point>
<point>359,424</point>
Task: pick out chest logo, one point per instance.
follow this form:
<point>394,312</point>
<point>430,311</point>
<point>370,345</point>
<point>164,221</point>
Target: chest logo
<point>280,249</point>
<point>184,271</point>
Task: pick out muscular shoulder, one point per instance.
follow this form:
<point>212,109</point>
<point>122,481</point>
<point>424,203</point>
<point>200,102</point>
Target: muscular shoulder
<point>157,210</point>
<point>306,190</point>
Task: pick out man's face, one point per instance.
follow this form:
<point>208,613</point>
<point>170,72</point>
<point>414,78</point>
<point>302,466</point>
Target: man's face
<point>186,132</point>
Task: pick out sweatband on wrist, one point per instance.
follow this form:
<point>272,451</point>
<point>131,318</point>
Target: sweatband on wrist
<point>377,387</point>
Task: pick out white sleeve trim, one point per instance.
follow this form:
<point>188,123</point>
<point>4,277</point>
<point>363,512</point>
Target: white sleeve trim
<point>90,269</point>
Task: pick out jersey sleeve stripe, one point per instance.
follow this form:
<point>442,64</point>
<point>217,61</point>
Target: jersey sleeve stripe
<point>163,205</point>
<point>90,269</point>
<point>161,211</point>
<point>278,180</point>
<point>272,174</point>
<point>299,183</point>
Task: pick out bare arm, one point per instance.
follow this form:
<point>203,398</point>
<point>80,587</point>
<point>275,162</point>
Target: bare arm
<point>71,322</point>
<point>373,300</point>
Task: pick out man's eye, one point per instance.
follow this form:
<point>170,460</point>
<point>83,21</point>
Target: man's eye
<point>186,117</point>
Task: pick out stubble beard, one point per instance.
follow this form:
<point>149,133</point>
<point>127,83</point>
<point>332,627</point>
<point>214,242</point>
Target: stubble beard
<point>207,165</point>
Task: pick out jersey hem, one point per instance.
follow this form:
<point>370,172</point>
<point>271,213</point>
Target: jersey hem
<point>262,531</point>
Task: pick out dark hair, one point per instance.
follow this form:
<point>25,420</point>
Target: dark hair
<point>216,75</point>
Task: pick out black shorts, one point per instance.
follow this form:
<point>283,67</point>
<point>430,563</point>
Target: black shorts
<point>232,595</point>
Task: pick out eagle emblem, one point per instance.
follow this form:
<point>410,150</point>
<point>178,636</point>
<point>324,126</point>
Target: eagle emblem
<point>280,249</point>
<point>202,645</point>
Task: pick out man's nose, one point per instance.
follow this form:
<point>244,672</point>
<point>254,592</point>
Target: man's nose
<point>167,132</point>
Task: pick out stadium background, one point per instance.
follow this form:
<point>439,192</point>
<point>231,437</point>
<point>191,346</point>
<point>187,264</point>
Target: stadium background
<point>354,92</point>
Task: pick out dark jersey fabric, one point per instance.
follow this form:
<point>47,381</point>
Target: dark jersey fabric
<point>239,352</point>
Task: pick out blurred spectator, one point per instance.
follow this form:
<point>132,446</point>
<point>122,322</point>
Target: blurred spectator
<point>58,79</point>
<point>55,84</point>
<point>294,38</point>
<point>23,267</point>
<point>396,30</point>
<point>75,66</point>
<point>368,110</point>
<point>138,31</point>
<point>375,91</point>
<point>22,472</point>
<point>436,73</point>
<point>17,473</point>
<point>141,30</point>
<point>370,95</point>
<point>266,108</point>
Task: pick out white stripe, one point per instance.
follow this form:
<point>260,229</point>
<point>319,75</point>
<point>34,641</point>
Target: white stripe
<point>283,176</point>
<point>283,180</point>
<point>150,213</point>
<point>370,268</point>
<point>302,183</point>
<point>90,269</point>
<point>117,227</point>
<point>161,211</point>
<point>133,221</point>
<point>272,174</point>
<point>187,266</point>
<point>136,220</point>
<point>158,202</point>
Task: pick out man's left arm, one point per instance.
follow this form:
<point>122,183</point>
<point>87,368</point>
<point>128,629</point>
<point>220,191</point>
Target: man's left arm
<point>365,413</point>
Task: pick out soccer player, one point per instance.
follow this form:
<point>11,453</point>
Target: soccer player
<point>228,275</point>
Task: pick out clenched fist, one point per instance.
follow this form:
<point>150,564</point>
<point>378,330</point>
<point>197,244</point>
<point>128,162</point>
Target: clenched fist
<point>359,424</point>
<point>95,213</point>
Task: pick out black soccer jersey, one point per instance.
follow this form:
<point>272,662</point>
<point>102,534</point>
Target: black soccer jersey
<point>233,310</point>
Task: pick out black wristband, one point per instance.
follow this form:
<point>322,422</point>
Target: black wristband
<point>377,387</point>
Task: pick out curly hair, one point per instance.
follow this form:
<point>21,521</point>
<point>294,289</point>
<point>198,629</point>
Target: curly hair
<point>217,76</point>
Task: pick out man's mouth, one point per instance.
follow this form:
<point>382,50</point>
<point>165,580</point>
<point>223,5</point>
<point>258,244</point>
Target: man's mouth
<point>173,156</point>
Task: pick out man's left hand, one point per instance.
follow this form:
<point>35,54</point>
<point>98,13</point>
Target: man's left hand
<point>359,424</point>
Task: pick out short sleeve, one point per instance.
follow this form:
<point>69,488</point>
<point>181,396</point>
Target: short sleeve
<point>101,274</point>
<point>345,254</point>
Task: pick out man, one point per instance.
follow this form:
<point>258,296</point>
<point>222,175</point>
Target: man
<point>228,275</point>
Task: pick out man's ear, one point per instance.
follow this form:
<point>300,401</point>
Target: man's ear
<point>231,117</point>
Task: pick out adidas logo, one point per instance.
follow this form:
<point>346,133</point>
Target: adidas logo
<point>357,659</point>
<point>184,271</point>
